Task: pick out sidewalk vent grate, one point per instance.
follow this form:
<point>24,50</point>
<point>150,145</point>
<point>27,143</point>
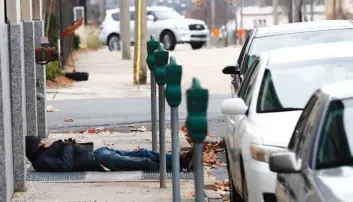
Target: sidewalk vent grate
<point>100,176</point>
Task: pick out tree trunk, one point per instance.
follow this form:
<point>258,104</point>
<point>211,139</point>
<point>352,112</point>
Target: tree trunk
<point>125,29</point>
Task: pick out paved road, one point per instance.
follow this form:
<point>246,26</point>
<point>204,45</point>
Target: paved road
<point>112,112</point>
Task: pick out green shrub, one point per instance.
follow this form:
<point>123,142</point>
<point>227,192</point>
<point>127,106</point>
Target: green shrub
<point>53,70</point>
<point>77,42</point>
<point>93,39</point>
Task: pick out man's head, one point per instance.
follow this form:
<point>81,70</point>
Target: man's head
<point>32,145</point>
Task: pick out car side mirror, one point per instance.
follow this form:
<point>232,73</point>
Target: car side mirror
<point>151,18</point>
<point>284,162</point>
<point>235,70</point>
<point>234,106</point>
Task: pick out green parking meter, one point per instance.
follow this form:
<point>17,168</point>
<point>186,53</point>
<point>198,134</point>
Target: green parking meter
<point>173,95</point>
<point>197,102</point>
<point>173,80</point>
<point>161,57</point>
<point>196,124</point>
<point>152,45</point>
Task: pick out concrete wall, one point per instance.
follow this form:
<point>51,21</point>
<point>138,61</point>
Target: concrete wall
<point>6,161</point>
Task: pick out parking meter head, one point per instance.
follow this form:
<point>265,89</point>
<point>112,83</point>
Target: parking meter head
<point>197,103</point>
<point>152,45</point>
<point>173,81</point>
<point>161,57</point>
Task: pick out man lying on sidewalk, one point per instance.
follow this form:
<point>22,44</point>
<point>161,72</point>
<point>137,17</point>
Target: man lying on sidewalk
<point>69,156</point>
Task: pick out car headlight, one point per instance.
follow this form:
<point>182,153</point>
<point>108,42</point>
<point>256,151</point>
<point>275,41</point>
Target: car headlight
<point>263,152</point>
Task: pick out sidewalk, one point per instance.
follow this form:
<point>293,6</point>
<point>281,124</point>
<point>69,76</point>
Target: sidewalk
<point>112,77</point>
<point>108,190</point>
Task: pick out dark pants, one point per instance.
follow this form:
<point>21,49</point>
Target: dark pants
<point>120,160</point>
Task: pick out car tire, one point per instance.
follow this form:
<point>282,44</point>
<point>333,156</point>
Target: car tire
<point>168,40</point>
<point>233,194</point>
<point>114,43</point>
<point>197,45</point>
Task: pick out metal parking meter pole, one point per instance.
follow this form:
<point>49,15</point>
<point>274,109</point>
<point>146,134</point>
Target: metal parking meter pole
<point>196,124</point>
<point>173,95</point>
<point>152,45</point>
<point>161,60</point>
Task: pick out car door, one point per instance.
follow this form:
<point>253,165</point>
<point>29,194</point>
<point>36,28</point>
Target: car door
<point>291,184</point>
<point>245,93</point>
<point>152,26</point>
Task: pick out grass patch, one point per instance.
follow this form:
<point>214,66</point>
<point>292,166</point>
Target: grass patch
<point>53,70</point>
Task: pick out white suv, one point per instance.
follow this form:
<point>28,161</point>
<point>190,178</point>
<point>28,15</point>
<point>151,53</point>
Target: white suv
<point>165,23</point>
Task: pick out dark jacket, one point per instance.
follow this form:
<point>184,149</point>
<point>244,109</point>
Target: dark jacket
<point>61,157</point>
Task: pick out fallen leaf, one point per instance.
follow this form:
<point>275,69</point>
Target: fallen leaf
<point>69,120</point>
<point>51,109</point>
<point>191,193</point>
<point>142,129</point>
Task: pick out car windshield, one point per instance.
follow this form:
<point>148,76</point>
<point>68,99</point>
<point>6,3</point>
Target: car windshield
<point>288,86</point>
<point>297,39</point>
<point>166,14</point>
<point>336,143</point>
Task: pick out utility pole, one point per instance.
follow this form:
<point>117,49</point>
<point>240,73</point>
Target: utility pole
<point>311,10</point>
<point>275,12</point>
<point>213,14</point>
<point>140,67</point>
<point>296,11</point>
<point>241,14</point>
<point>125,29</point>
<point>102,10</point>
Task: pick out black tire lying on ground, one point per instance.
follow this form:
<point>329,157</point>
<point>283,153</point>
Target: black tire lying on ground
<point>77,76</point>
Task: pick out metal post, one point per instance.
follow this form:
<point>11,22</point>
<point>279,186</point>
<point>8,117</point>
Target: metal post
<point>198,172</point>
<point>162,149</point>
<point>213,13</point>
<point>275,12</point>
<point>311,10</point>
<point>175,154</point>
<point>154,111</point>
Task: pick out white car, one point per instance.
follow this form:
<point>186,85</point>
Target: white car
<point>167,25</point>
<point>263,114</point>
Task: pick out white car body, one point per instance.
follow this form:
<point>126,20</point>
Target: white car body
<point>250,133</point>
<point>178,26</point>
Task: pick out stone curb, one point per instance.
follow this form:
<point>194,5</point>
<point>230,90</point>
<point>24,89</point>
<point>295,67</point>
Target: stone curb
<point>212,196</point>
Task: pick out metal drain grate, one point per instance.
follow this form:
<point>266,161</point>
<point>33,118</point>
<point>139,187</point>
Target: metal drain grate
<point>55,177</point>
<point>101,176</point>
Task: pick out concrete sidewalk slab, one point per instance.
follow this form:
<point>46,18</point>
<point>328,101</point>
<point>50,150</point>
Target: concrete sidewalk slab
<point>111,76</point>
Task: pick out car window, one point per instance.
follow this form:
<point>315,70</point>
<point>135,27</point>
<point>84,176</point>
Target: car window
<point>250,87</point>
<point>245,83</point>
<point>299,128</point>
<point>242,52</point>
<point>289,86</point>
<point>116,16</point>
<point>261,44</point>
<point>336,141</point>
<point>166,14</point>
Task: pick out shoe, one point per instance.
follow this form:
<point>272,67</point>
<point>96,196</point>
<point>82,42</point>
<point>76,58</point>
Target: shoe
<point>186,160</point>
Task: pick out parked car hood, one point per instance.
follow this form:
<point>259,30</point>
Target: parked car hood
<point>335,184</point>
<point>276,128</point>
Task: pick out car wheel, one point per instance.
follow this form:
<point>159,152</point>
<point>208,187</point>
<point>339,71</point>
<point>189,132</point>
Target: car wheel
<point>197,45</point>
<point>233,194</point>
<point>114,43</point>
<point>168,40</point>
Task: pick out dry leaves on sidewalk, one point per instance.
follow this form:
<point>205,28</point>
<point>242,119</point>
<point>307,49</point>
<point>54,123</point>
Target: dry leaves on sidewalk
<point>51,109</point>
<point>210,149</point>
<point>191,194</point>
<point>69,120</point>
<point>222,187</point>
